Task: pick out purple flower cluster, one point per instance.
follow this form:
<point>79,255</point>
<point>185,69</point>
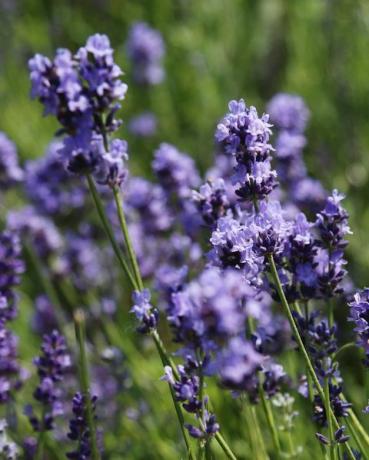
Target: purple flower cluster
<point>52,366</point>
<point>10,172</point>
<point>78,428</point>
<point>146,314</point>
<point>82,91</point>
<point>143,125</point>
<point>52,190</point>
<point>175,171</point>
<point>187,391</point>
<point>11,267</point>
<point>145,49</point>
<point>211,201</point>
<point>359,315</point>
<point>290,115</point>
<point>332,226</point>
<point>244,135</point>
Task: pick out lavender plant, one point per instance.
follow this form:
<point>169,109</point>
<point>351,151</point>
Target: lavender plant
<point>234,276</point>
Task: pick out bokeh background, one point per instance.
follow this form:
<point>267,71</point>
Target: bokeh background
<point>216,50</point>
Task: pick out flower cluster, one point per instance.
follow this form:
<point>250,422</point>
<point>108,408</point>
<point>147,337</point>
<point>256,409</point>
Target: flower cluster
<point>82,91</point>
<point>359,315</point>
<point>187,391</point>
<point>290,116</point>
<point>78,428</point>
<point>246,137</point>
<point>10,172</point>
<point>52,366</point>
<point>145,313</point>
<point>145,49</point>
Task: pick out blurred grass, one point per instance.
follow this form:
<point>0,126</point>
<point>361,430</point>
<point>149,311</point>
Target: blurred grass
<point>216,50</point>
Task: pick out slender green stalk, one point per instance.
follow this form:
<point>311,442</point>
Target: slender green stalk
<point>270,420</point>
<point>40,446</point>
<point>344,348</point>
<point>79,324</point>
<point>223,444</point>
<point>330,421</point>
<point>300,343</point>
<point>108,230</point>
<point>127,239</point>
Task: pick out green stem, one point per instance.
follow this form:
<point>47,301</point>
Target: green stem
<point>344,348</point>
<point>40,446</point>
<point>329,419</point>
<point>223,444</point>
<point>108,230</point>
<point>300,343</point>
<point>79,324</point>
<point>270,420</point>
<point>127,239</point>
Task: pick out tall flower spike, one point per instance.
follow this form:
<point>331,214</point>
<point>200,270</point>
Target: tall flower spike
<point>145,49</point>
<point>359,315</point>
<point>52,365</point>
<point>78,428</point>
<point>245,136</point>
<point>10,172</point>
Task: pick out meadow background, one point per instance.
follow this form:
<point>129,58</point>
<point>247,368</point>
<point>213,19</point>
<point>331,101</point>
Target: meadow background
<point>216,50</point>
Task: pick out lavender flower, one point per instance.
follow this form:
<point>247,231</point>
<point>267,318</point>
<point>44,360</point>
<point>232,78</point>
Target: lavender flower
<point>11,267</point>
<point>78,427</point>
<point>237,365</point>
<point>187,391</point>
<point>246,137</point>
<point>145,49</point>
<point>51,365</point>
<point>210,309</point>
<point>9,367</point>
<point>288,112</point>
<point>10,172</point>
<point>176,171</point>
<point>359,315</point>
<point>143,125</point>
<point>211,201</point>
<point>146,314</point>
<point>82,91</point>
<point>332,225</point>
<point>40,230</point>
<point>52,190</point>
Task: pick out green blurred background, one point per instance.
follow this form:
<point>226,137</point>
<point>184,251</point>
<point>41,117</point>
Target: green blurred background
<point>216,50</point>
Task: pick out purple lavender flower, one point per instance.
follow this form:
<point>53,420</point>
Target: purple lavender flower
<point>246,137</point>
<point>150,203</point>
<point>237,365</point>
<point>288,112</point>
<point>51,365</point>
<point>78,427</point>
<point>143,125</point>
<point>82,91</point>
<point>9,367</point>
<point>44,318</point>
<point>40,230</point>
<point>187,391</point>
<point>11,267</point>
<point>146,314</point>
<point>75,88</point>
<point>211,201</point>
<point>52,190</point>
<point>176,171</point>
<point>10,172</point>
<point>332,226</point>
<point>145,49</point>
<point>359,315</point>
<point>210,308</point>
